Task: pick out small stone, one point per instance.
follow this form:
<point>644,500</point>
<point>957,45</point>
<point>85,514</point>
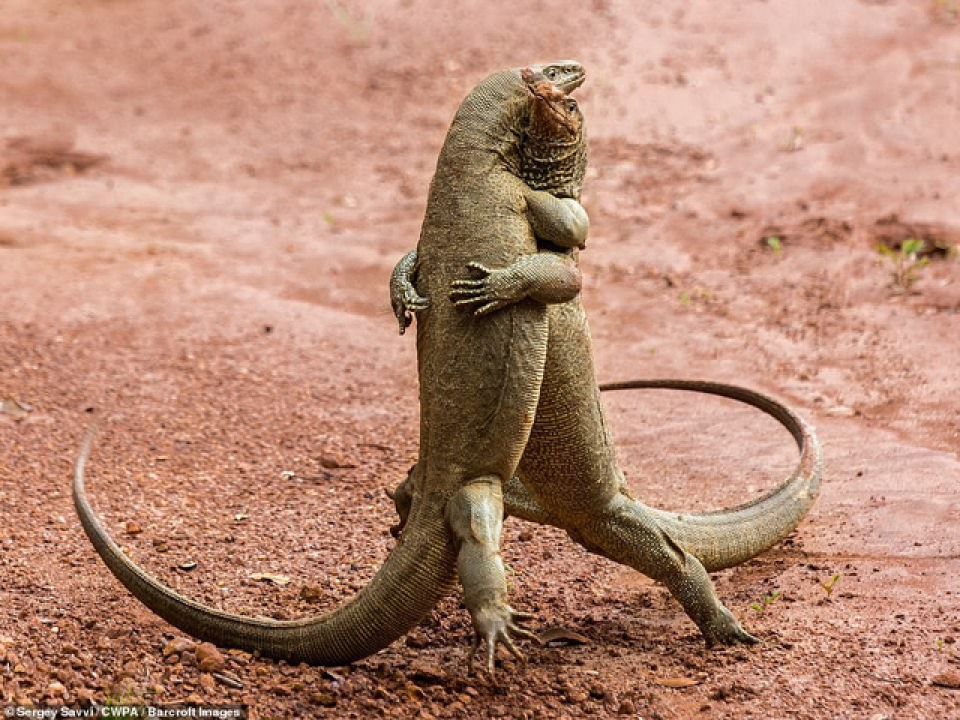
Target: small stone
<point>206,682</point>
<point>425,672</point>
<point>323,699</point>
<point>179,645</point>
<point>133,527</point>
<point>949,679</point>
<point>332,462</point>
<point>311,593</point>
<point>627,707</point>
<point>193,699</point>
<point>84,696</point>
<point>414,693</point>
<point>597,690</point>
<point>209,658</point>
<point>56,690</point>
<point>416,640</point>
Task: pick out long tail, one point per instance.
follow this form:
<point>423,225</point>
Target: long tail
<point>418,573</point>
<point>729,537</point>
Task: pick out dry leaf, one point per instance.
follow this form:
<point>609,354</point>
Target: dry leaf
<point>562,636</point>
<point>16,409</point>
<point>270,577</point>
<point>677,682</point>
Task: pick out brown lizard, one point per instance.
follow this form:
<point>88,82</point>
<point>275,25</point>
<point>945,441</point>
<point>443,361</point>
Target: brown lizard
<point>568,474</point>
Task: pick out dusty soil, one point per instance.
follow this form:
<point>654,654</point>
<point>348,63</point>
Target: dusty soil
<point>200,205</point>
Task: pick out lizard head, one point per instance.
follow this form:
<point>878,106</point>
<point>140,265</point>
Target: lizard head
<point>565,75</point>
<point>553,145</point>
<point>555,118</point>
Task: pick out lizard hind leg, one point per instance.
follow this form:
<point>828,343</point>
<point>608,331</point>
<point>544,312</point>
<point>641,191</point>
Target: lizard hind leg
<point>627,533</point>
<point>475,515</point>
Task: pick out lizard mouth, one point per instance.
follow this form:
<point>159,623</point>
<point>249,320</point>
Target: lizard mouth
<point>573,83</point>
<point>565,75</point>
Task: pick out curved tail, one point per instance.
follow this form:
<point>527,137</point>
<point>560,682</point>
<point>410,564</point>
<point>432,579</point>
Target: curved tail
<point>725,538</point>
<point>418,573</point>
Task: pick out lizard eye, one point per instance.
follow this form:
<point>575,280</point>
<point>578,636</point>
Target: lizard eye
<point>551,73</point>
<point>571,105</point>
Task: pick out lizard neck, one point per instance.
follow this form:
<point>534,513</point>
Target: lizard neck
<point>485,131</point>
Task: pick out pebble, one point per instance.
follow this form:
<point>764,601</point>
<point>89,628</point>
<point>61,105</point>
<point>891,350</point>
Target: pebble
<point>179,645</point>
<point>311,593</point>
<point>56,690</point>
<point>597,690</point>
<point>323,699</point>
<point>627,707</point>
<point>333,462</point>
<point>209,658</point>
<point>207,682</point>
<point>425,672</point>
<point>948,679</point>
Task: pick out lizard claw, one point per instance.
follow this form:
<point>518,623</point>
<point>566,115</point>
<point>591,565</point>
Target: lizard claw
<point>409,303</point>
<point>494,626</point>
<point>725,629</point>
<point>488,291</point>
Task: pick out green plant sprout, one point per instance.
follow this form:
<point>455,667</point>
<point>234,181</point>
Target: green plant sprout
<point>830,584</point>
<point>774,243</point>
<point>942,645</point>
<point>765,601</point>
<point>907,262</point>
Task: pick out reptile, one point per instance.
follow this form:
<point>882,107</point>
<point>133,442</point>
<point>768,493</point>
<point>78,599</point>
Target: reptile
<point>479,389</point>
<point>568,474</point>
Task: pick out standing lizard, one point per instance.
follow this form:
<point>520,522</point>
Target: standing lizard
<point>568,474</point>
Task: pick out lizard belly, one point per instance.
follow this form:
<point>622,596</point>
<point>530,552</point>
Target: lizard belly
<point>480,382</point>
<point>569,464</point>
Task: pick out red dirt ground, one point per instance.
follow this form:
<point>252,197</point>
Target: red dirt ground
<point>200,205</point>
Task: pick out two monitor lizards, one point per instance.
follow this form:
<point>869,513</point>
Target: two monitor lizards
<point>511,419</point>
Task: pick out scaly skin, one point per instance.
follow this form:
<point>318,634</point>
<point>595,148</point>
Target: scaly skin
<point>479,391</point>
<point>568,475</point>
<point>481,356</point>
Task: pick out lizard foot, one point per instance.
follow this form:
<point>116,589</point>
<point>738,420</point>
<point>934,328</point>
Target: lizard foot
<point>489,290</point>
<point>410,303</point>
<point>725,629</point>
<point>493,625</point>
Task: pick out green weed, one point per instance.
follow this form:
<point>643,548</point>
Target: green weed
<point>765,601</point>
<point>830,584</point>
<point>907,263</point>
